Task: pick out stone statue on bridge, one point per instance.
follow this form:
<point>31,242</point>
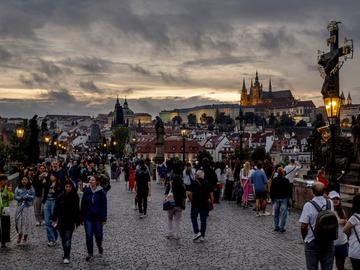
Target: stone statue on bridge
<point>355,131</point>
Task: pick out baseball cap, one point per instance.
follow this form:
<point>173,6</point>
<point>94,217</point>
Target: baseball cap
<point>334,194</point>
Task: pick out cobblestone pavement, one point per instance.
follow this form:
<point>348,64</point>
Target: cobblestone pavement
<point>236,239</point>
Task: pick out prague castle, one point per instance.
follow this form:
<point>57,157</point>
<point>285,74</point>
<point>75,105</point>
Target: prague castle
<point>257,96</point>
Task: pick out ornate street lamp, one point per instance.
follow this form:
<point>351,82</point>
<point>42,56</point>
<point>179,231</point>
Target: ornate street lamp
<point>47,140</point>
<point>20,132</point>
<point>133,144</point>
<point>332,109</point>
<point>184,133</point>
<point>20,135</point>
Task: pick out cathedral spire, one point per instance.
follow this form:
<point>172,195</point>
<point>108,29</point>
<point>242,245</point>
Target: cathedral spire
<point>270,86</point>
<point>256,77</point>
<point>117,100</point>
<point>243,87</point>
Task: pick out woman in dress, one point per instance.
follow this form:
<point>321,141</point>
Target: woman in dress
<point>24,215</point>
<point>6,196</point>
<point>245,183</point>
<point>131,177</point>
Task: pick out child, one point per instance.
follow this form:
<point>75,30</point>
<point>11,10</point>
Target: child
<point>24,195</point>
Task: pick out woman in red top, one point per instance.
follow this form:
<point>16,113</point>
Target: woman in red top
<point>321,178</point>
<point>131,177</point>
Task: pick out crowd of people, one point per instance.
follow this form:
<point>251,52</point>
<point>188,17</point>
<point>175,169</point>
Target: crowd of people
<point>48,194</point>
<point>62,195</point>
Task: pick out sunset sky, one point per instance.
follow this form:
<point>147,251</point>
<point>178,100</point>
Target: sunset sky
<point>75,57</point>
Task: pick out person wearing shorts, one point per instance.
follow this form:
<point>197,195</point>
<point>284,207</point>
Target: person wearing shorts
<point>259,181</point>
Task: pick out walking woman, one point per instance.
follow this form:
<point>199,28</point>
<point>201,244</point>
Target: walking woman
<point>143,189</point>
<point>6,195</point>
<point>341,243</point>
<point>94,215</point>
<point>24,215</point>
<point>66,216</point>
<point>352,230</point>
<point>245,183</point>
<point>177,187</point>
<point>52,191</point>
<point>131,177</point>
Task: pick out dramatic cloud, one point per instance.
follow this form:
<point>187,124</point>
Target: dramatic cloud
<point>157,51</point>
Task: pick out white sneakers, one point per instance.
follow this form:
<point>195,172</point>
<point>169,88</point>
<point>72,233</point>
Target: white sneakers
<point>197,236</point>
<point>51,244</point>
<point>66,261</point>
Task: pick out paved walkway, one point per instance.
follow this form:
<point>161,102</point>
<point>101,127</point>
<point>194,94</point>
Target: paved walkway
<point>236,239</point>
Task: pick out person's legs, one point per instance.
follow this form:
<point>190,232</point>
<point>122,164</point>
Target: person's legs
<point>170,221</point>
<point>98,234</point>
<point>327,257</point>
<point>37,210</point>
<point>177,220</point>
<point>66,236</point>
<point>283,207</point>
<point>89,231</point>
<point>140,202</point>
<point>311,256</point>
<point>203,217</point>
<point>276,214</point>
<point>263,203</point>
<point>48,207</point>
<point>257,206</point>
<point>194,214</point>
<point>145,201</point>
<point>355,263</point>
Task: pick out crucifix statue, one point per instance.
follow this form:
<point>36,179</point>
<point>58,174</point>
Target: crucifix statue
<point>329,64</point>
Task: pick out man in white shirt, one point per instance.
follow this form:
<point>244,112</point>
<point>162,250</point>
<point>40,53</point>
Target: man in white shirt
<point>290,172</point>
<point>316,252</point>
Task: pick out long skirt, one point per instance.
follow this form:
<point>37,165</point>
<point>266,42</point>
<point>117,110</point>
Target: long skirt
<point>24,220</point>
<point>5,229</point>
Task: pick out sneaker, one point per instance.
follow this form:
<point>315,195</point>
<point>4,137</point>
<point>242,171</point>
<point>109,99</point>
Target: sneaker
<point>101,250</point>
<point>37,224</point>
<point>266,213</point>
<point>258,215</point>
<point>169,236</point>
<point>277,229</point>
<point>144,215</point>
<point>197,236</point>
<point>141,215</point>
<point>51,244</point>
<point>66,261</point>
<point>282,230</point>
<point>202,239</point>
<point>89,257</point>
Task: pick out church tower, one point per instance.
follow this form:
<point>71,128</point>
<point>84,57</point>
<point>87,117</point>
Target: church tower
<point>118,120</point>
<point>349,100</point>
<point>270,87</point>
<point>244,101</point>
<point>342,98</point>
<point>256,91</point>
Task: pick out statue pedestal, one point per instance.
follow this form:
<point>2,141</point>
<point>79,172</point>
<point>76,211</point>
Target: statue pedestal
<point>353,177</point>
<point>159,156</point>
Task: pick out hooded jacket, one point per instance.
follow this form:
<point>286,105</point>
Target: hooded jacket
<point>94,204</point>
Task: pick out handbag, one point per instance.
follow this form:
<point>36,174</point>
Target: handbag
<point>6,212</point>
<point>169,202</point>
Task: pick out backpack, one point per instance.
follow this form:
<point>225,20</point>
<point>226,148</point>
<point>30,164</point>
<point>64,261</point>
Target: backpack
<point>326,226</point>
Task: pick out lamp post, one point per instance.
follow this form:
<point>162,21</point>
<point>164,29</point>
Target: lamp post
<point>20,132</point>
<point>133,145</point>
<point>184,133</point>
<point>240,126</point>
<point>332,109</point>
<point>47,139</point>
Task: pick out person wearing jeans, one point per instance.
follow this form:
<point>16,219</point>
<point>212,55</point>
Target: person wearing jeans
<point>39,183</point>
<point>280,193</point>
<point>52,191</point>
<point>177,188</point>
<point>94,215</point>
<point>66,216</point>
<point>200,195</point>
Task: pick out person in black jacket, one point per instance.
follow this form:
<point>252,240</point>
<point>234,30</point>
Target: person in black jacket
<point>211,178</point>
<point>280,193</point>
<point>143,190</point>
<point>94,215</point>
<point>177,188</point>
<point>66,216</point>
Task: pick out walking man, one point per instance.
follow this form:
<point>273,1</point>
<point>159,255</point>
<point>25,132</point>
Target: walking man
<point>259,180</point>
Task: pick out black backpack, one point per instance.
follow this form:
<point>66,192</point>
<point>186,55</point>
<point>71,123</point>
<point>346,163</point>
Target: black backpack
<point>326,226</point>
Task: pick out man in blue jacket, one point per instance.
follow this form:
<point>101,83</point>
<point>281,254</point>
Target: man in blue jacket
<point>259,181</point>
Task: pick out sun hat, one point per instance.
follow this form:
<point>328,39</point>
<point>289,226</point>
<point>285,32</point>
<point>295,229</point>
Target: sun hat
<point>334,194</point>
